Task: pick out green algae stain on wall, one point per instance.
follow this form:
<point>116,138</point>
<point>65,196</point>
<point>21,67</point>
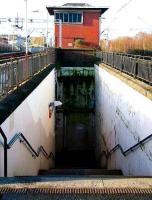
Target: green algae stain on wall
<point>78,87</point>
<point>76,72</point>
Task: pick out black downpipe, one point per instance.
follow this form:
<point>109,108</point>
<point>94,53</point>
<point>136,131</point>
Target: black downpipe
<point>5,151</point>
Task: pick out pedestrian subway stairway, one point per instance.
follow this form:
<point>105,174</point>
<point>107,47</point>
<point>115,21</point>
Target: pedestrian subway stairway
<point>76,175</point>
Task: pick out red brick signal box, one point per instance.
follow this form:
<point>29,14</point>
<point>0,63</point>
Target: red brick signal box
<point>77,23</point>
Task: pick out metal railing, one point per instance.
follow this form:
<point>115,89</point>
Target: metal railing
<point>5,151</point>
<point>22,139</point>
<point>4,57</point>
<point>129,150</point>
<point>16,71</point>
<point>139,67</point>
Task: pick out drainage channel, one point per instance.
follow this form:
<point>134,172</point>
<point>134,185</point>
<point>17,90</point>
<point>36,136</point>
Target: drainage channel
<point>89,191</point>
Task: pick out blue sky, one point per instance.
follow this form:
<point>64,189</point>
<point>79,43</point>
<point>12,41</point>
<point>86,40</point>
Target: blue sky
<point>124,18</point>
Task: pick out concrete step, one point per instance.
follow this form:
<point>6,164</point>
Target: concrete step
<point>57,171</point>
<point>75,159</point>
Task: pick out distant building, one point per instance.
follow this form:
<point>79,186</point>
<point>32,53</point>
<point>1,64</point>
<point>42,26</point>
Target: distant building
<point>3,39</point>
<point>37,41</point>
<point>77,24</point>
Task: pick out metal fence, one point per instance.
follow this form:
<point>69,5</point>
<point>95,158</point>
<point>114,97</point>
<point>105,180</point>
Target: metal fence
<point>16,71</point>
<point>137,66</point>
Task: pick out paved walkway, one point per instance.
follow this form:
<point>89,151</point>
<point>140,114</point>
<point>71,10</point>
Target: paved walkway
<point>76,182</point>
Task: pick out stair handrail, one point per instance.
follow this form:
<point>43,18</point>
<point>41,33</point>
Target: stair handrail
<point>129,150</point>
<point>22,139</point>
<point>1,143</point>
<point>5,151</point>
<point>48,156</point>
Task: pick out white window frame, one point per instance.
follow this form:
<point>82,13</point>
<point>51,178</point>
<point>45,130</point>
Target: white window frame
<point>68,12</point>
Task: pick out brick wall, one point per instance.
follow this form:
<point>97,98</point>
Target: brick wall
<point>89,31</point>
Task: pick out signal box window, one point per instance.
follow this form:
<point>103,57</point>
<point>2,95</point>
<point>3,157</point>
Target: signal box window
<point>69,17</point>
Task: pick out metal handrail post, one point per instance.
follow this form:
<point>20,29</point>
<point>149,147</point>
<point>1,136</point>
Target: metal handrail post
<point>5,151</point>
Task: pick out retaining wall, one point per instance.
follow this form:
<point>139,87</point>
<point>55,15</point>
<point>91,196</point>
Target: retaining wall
<point>31,118</point>
<point>123,116</point>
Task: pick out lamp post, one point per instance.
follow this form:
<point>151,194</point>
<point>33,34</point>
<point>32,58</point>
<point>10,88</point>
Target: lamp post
<point>47,30</point>
<point>60,33</point>
<point>102,40</point>
<point>59,21</point>
<point>26,28</point>
<point>43,35</point>
<point>100,26</point>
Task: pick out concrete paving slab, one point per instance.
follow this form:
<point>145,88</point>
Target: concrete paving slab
<point>127,182</point>
<point>76,182</point>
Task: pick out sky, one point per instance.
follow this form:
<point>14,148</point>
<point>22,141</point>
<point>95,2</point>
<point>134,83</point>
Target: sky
<point>124,17</point>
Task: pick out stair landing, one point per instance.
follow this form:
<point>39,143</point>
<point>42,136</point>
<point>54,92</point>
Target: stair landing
<point>76,171</point>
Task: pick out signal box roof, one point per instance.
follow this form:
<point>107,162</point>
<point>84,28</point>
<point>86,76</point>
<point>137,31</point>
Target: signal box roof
<point>75,6</point>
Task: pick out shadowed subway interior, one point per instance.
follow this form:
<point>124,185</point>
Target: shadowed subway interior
<point>75,130</point>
